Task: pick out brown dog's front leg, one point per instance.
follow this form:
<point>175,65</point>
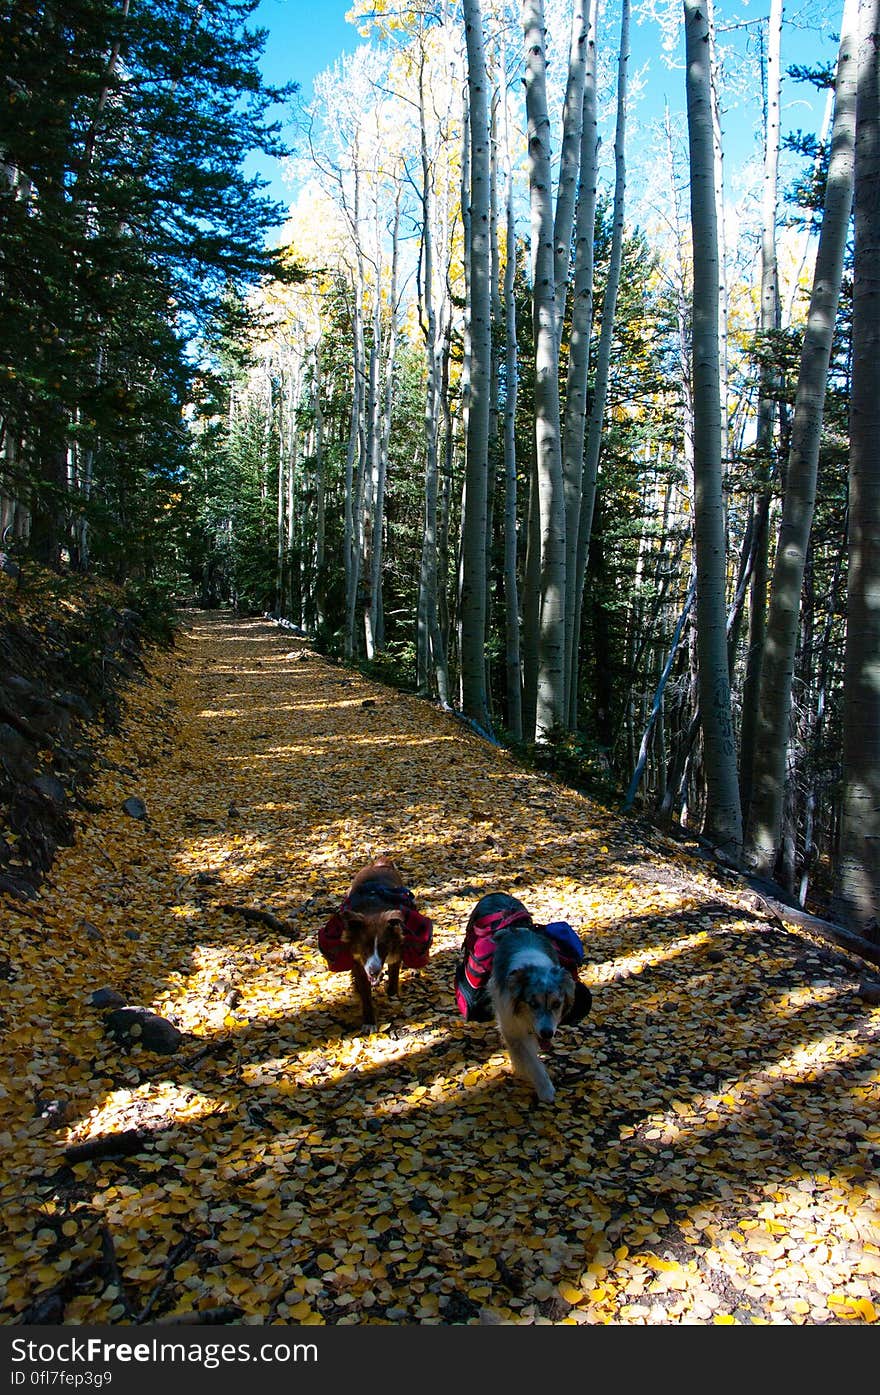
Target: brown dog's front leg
<point>393,980</point>
<point>365,993</point>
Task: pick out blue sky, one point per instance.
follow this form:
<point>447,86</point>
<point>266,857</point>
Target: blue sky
<point>307,36</point>
<point>304,38</point>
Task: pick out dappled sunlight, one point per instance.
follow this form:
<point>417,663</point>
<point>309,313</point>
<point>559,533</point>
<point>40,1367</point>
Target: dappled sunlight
<point>790,1003</point>
<point>147,1106</point>
<point>712,1152</point>
<point>635,963</point>
<point>811,1059</point>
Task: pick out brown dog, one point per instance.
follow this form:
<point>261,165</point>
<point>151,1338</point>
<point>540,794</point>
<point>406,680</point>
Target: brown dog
<point>377,928</point>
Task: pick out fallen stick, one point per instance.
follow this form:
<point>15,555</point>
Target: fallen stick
<point>182,1248</point>
<point>111,1267</point>
<point>780,911</point>
<point>846,939</point>
<point>255,916</point>
<point>49,1307</point>
<point>220,1047</point>
<point>120,1145</point>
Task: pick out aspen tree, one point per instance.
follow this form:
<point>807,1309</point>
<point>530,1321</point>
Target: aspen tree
<point>859,872</point>
<point>550,706</point>
<point>473,588</point>
<point>722,822</point>
<point>764,829</point>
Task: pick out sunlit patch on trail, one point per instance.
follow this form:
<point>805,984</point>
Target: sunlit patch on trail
<point>712,1152</point>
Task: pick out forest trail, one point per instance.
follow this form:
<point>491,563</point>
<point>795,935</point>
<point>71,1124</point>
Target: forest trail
<point>712,1156</point>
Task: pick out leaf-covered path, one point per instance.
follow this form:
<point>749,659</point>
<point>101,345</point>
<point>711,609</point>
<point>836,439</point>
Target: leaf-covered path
<point>712,1155</point>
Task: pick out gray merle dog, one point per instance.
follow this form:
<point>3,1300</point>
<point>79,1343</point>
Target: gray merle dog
<point>531,993</point>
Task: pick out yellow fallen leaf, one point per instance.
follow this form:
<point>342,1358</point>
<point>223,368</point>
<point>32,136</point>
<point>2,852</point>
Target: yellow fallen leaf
<point>570,1293</point>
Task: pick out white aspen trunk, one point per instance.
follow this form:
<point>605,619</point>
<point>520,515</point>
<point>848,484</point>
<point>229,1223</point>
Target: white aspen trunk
<point>444,619</point>
<point>292,460</point>
<point>766,411</point>
<point>280,503</point>
<point>513,670</point>
<point>466,220</point>
<point>266,454</point>
<point>495,313</point>
<point>569,160</point>
<point>491,480</point>
<point>722,821</point>
<point>466,371</point>
<point>371,484</point>
<point>376,598</point>
<point>575,416</point>
<point>427,572</point>
<point>18,493</point>
<point>859,871</point>
<point>358,484</point>
<point>681,312</point>
<point>9,488</point>
<point>319,490</point>
<point>721,223</point>
<point>550,704</point>
<point>307,536</point>
<point>498,96</point>
<point>531,605</point>
<point>774,705</point>
<point>441,629</point>
<point>473,589</point>
<point>430,648</point>
<point>372,521</point>
<point>351,540</point>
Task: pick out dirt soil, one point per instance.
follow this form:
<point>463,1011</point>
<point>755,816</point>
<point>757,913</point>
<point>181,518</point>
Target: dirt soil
<point>712,1154</point>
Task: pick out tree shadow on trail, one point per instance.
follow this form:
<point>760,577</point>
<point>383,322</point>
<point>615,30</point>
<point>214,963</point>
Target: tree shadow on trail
<point>722,1061</point>
<point>451,1159</point>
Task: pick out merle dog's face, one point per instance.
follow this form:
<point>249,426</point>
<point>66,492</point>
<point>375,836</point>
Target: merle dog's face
<point>543,995</point>
<point>374,940</point>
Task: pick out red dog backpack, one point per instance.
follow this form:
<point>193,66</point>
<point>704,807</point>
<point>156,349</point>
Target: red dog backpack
<point>496,912</point>
<point>418,932</point>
